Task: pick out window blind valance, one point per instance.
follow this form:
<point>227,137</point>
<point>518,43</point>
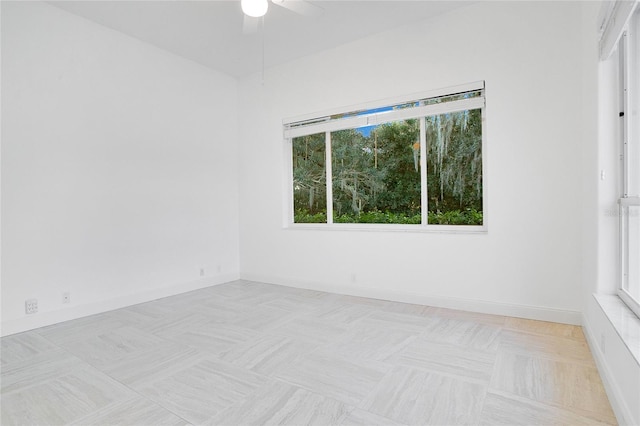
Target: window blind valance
<point>459,98</point>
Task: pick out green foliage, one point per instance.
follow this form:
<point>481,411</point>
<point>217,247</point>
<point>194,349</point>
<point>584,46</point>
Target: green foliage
<point>302,216</point>
<point>399,151</point>
<point>377,178</point>
<point>378,217</point>
<point>451,217</point>
<point>309,173</point>
<point>454,160</point>
<point>455,217</point>
<point>356,179</point>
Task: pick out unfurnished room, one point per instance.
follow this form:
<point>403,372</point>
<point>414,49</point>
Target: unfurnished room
<point>317,212</point>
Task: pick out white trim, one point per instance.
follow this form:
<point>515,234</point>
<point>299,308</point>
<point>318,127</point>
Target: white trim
<point>626,56</point>
<point>461,88</point>
<point>481,306</point>
<point>623,55</point>
<point>424,192</point>
<point>485,176</point>
<point>614,25</point>
<point>631,303</point>
<point>328,170</point>
<point>43,319</point>
<point>288,183</point>
<point>390,227</point>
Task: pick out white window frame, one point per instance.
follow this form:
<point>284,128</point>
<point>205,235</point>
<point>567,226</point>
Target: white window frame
<point>628,127</point>
<point>322,122</point>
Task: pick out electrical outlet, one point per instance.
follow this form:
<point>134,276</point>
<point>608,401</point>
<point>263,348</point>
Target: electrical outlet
<point>31,306</point>
<point>66,297</point>
<point>603,344</point>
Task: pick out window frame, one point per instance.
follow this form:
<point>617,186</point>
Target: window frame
<point>348,118</point>
<point>625,200</point>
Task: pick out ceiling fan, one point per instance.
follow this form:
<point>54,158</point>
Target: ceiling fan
<point>256,9</point>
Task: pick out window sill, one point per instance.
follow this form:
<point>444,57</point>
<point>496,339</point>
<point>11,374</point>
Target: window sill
<point>624,321</point>
<point>442,229</point>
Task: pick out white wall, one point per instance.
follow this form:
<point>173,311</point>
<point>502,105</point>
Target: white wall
<point>529,262</point>
<point>119,171</point>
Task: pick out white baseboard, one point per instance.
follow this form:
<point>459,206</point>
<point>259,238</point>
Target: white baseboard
<point>616,399</point>
<point>481,306</point>
<point>73,312</point>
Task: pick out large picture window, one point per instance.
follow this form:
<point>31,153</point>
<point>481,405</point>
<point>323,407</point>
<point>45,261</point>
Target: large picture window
<point>417,163</point>
<point>629,55</point>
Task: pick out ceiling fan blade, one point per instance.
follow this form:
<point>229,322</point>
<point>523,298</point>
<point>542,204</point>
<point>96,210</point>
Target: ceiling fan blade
<point>300,7</point>
<point>250,25</point>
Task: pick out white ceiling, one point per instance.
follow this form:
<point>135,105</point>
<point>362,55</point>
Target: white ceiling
<point>210,32</point>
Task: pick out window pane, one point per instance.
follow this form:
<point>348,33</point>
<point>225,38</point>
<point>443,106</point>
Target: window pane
<point>630,214</point>
<point>376,173</point>
<point>631,221</point>
<point>633,116</point>
<point>309,179</point>
<point>454,168</point>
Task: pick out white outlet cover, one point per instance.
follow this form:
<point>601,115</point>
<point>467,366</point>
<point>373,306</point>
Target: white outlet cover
<point>31,306</point>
